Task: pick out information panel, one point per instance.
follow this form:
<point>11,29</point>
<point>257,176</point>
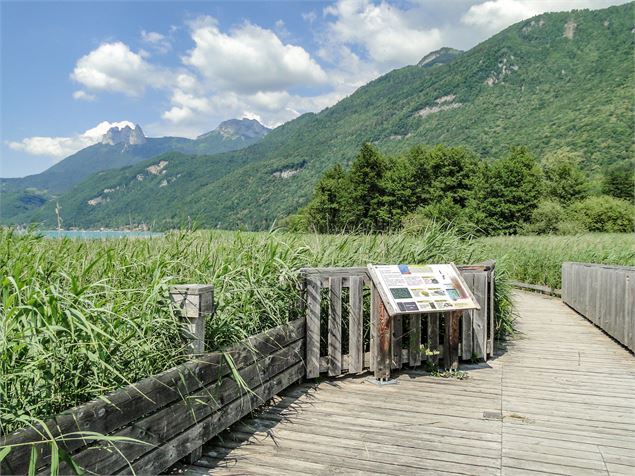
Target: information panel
<point>413,289</point>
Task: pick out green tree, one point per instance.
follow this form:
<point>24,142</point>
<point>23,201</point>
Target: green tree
<point>619,181</point>
<point>324,212</point>
<point>564,181</point>
<point>505,193</point>
<point>362,204</point>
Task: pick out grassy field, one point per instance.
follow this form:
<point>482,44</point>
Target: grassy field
<point>81,318</point>
<point>538,259</point>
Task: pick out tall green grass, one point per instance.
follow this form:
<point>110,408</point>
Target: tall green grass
<point>81,318</point>
<point>538,259</point>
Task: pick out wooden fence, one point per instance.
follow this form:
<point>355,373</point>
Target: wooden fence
<point>605,295</point>
<point>342,309</point>
<point>170,415</point>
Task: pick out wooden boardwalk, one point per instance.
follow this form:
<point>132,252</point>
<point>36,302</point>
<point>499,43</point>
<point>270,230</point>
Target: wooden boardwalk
<point>559,400</point>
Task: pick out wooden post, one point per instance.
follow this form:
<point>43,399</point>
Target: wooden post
<point>382,368</point>
<point>451,341</point>
<point>196,303</point>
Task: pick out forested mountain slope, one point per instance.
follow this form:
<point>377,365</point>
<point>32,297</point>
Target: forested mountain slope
<point>556,80</point>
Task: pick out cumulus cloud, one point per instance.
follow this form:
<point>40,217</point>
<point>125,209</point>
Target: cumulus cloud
<point>158,42</point>
<point>115,67</point>
<point>494,15</point>
<point>386,32</point>
<point>249,59</point>
<point>60,147</point>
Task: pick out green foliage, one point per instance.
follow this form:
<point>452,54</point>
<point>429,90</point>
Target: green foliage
<point>81,318</point>
<point>619,181</point>
<point>506,193</point>
<point>378,192</point>
<point>526,85</point>
<point>605,214</point>
<point>546,218</point>
<point>564,181</point>
<point>538,259</point>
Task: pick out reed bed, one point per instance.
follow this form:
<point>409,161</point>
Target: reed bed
<point>538,259</point>
<point>81,318</point>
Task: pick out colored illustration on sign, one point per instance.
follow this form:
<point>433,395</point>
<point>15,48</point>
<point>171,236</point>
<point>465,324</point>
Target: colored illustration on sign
<point>422,288</point>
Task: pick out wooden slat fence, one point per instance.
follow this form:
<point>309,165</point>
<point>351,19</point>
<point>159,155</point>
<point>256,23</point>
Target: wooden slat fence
<point>342,319</point>
<point>171,414</point>
<point>605,295</point>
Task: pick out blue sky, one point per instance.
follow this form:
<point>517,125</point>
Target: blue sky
<point>72,69</point>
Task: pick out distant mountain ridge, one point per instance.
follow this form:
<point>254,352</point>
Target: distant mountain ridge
<point>558,80</point>
<point>119,147</point>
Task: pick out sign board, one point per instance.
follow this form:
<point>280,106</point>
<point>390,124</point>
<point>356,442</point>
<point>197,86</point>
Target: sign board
<point>415,289</point>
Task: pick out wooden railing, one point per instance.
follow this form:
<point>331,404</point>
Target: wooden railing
<point>605,295</point>
<point>161,419</point>
<point>342,309</point>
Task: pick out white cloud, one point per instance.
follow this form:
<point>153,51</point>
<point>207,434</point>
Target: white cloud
<point>386,32</point>
<point>494,15</point>
<point>83,96</point>
<point>310,16</point>
<point>160,43</point>
<point>249,59</point>
<point>60,147</point>
<point>115,67</point>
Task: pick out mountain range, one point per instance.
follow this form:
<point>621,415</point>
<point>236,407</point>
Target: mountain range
<point>119,148</point>
<point>558,80</point>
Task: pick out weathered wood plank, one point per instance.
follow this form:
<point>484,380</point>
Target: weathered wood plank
<point>414,341</point>
<point>451,340</point>
<point>375,303</point>
<point>356,325</point>
<point>313,328</point>
<point>335,326</point>
<point>433,338</point>
<point>156,461</point>
<point>479,319</point>
<point>146,396</point>
<point>396,342</point>
<point>161,427</point>
<point>467,334</point>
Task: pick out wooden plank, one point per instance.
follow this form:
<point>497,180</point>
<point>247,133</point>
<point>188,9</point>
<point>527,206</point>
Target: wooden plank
<point>335,326</point>
<point>396,342</point>
<point>451,340</point>
<point>313,329</point>
<point>161,458</point>
<point>630,311</point>
<point>129,403</point>
<point>479,320</point>
<point>163,426</point>
<point>356,326</point>
<point>414,341</point>
<point>375,303</point>
<point>433,337</point>
<point>491,311</point>
<point>383,357</point>
<point>466,333</point>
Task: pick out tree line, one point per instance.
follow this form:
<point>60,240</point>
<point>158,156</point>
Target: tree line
<point>451,185</point>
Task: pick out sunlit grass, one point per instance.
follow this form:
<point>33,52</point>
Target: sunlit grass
<point>538,259</point>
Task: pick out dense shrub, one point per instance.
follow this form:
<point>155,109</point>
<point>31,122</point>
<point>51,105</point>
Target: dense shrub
<point>604,213</point>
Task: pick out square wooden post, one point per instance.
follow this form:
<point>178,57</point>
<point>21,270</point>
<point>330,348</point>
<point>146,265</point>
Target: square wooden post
<point>196,304</point>
<point>451,341</point>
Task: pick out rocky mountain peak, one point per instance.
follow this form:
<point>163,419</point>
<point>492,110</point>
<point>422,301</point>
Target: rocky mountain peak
<point>237,128</point>
<point>124,135</point>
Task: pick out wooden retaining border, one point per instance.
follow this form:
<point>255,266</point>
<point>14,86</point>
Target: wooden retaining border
<point>164,418</point>
<point>605,295</point>
<point>329,318</point>
<point>536,288</point>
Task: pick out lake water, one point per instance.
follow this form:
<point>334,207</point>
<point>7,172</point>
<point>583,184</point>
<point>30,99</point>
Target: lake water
<point>96,234</point>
